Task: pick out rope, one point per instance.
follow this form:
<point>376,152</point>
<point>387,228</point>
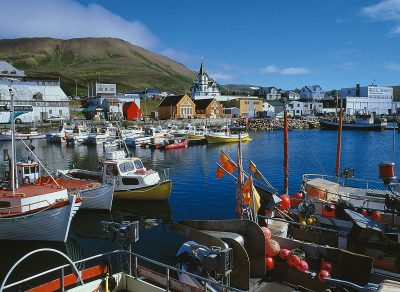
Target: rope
<point>315,156</point>
<point>38,160</point>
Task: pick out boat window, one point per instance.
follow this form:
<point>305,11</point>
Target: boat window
<point>138,164</point>
<point>111,169</point>
<point>130,181</point>
<point>33,169</point>
<point>126,166</point>
<point>26,170</point>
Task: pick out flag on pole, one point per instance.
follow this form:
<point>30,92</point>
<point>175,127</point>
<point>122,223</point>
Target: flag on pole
<point>253,169</point>
<point>220,171</point>
<point>229,166</point>
<point>223,158</point>
<point>248,189</point>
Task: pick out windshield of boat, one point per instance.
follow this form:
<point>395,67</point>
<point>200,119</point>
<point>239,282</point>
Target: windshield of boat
<point>126,166</point>
<point>138,164</point>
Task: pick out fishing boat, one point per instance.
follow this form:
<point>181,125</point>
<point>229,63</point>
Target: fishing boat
<point>60,136</point>
<point>174,143</point>
<point>33,134</point>
<point>131,179</point>
<point>94,195</point>
<point>366,121</point>
<point>100,137</point>
<point>79,134</point>
<point>130,271</point>
<point>30,211</point>
<point>227,135</point>
<point>137,140</point>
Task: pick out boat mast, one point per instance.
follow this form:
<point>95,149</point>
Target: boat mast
<point>239,194</point>
<point>339,141</point>
<point>285,151</point>
<point>14,182</point>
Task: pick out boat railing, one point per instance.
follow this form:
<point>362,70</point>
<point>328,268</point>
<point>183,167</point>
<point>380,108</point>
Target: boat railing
<point>7,210</point>
<point>164,175</point>
<point>345,181</point>
<point>134,270</point>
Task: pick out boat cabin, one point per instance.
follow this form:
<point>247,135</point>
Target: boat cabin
<point>27,172</point>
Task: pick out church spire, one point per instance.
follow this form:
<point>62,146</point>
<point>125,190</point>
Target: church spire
<point>202,70</point>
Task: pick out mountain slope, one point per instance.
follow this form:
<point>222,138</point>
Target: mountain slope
<point>90,59</point>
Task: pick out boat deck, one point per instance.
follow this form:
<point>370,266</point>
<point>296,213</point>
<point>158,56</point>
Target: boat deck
<point>30,191</point>
<point>362,193</point>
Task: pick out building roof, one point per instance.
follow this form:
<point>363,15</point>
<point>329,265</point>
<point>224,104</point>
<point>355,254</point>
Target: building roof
<point>202,69</point>
<point>275,102</point>
<point>171,100</point>
<point>92,108</point>
<point>112,100</point>
<point>27,90</point>
<point>6,69</point>
<point>202,104</point>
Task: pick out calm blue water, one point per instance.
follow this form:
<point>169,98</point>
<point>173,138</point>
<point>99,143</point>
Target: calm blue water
<point>196,193</point>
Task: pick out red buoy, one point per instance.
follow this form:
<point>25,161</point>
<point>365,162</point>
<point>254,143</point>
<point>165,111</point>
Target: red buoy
<point>284,253</point>
<point>302,267</point>
<point>272,248</point>
<point>376,215</point>
<point>327,266</point>
<point>296,199</point>
<point>285,202</point>
<point>266,232</point>
<point>293,261</point>
<point>322,275</point>
<point>269,263</point>
<point>387,172</point>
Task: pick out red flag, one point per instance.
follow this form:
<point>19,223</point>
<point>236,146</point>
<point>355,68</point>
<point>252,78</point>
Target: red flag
<point>220,171</point>
<point>223,158</point>
<point>229,166</point>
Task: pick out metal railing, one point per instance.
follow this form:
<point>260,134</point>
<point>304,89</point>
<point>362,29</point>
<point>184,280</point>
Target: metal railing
<point>168,269</point>
<point>366,184</point>
<point>8,209</point>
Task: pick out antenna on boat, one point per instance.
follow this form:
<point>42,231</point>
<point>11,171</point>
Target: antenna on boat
<point>14,182</point>
<point>285,149</point>
<point>339,141</point>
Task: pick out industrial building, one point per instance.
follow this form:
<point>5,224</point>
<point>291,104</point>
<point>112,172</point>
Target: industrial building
<point>371,98</point>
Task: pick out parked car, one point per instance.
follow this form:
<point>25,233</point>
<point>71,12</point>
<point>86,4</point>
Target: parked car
<point>54,119</point>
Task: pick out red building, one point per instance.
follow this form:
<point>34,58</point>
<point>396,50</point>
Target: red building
<point>131,111</point>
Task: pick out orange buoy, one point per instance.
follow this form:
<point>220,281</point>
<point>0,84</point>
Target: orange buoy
<point>327,266</point>
<point>285,202</point>
<point>284,253</point>
<point>293,261</point>
<point>272,248</point>
<point>329,211</point>
<point>322,275</point>
<point>387,172</point>
<point>376,215</point>
<point>266,232</point>
<point>302,267</point>
<point>269,263</point>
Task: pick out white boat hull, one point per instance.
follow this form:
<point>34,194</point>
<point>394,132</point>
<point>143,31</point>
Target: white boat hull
<point>49,224</point>
<point>5,137</point>
<point>97,198</point>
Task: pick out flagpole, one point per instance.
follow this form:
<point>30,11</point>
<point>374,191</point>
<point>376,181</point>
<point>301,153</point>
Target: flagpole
<point>285,151</point>
<point>239,194</point>
<point>253,206</point>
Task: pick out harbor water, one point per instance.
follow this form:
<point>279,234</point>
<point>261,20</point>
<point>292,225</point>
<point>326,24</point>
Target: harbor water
<point>196,193</point>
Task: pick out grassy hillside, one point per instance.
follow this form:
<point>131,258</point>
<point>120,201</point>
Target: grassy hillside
<point>89,59</point>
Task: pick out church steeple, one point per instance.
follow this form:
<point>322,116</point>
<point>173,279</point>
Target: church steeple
<point>202,69</point>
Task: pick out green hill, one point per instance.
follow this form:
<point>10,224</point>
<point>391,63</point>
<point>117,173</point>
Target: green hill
<point>109,60</point>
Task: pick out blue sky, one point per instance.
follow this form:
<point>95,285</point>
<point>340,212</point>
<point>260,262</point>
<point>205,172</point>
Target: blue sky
<point>335,43</point>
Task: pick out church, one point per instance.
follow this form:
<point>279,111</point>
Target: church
<point>204,87</point>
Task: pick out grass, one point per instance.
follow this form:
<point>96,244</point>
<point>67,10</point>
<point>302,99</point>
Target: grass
<point>152,106</point>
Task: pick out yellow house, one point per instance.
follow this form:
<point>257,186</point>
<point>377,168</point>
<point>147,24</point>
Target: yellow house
<point>176,107</point>
<point>247,106</point>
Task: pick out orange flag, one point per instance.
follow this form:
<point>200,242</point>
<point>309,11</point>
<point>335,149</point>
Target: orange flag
<point>220,171</point>
<point>229,166</point>
<point>223,158</point>
<point>247,191</point>
<point>252,167</point>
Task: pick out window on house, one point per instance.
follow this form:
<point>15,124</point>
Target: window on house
<point>50,112</point>
<point>60,112</point>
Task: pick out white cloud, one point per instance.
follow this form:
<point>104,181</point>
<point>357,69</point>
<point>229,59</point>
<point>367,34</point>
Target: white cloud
<point>222,76</point>
<point>295,71</point>
<point>272,69</point>
<point>386,10</point>
<point>393,66</point>
<point>69,19</point>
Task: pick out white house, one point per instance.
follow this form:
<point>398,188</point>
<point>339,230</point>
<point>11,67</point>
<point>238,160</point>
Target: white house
<point>269,93</point>
<point>292,95</point>
<point>313,92</point>
<point>371,98</point>
<point>300,108</point>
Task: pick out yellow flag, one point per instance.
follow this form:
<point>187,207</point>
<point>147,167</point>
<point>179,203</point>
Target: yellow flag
<point>257,203</point>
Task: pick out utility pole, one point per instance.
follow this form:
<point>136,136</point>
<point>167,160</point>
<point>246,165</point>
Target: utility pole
<point>145,101</point>
<point>76,87</point>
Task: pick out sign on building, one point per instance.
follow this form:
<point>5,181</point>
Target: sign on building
<point>102,88</point>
